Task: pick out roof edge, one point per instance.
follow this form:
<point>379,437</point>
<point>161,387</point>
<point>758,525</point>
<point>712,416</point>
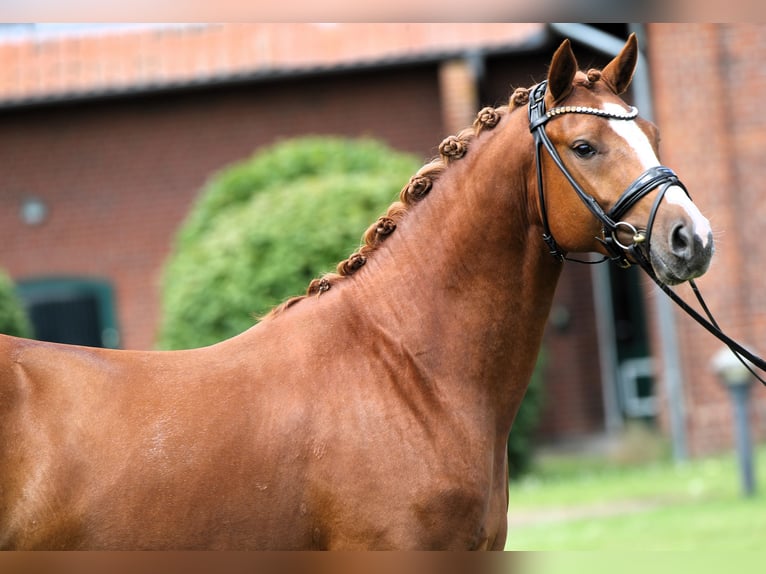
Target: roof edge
<point>530,43</point>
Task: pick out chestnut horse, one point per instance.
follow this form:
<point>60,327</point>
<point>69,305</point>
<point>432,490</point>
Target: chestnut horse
<point>373,412</point>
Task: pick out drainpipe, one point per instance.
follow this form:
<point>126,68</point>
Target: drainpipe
<point>673,376</point>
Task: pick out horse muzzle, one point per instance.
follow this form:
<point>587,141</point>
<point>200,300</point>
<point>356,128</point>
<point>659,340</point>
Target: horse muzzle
<point>682,246</point>
<point>682,253</point>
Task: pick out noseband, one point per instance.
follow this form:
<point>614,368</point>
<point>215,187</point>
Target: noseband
<point>657,176</point>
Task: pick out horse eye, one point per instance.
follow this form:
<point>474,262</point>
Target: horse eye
<point>584,150</point>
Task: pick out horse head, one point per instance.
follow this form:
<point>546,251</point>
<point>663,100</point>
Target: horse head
<point>598,145</point>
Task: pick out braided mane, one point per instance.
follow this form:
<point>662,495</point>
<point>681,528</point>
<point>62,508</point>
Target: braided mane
<point>451,149</point>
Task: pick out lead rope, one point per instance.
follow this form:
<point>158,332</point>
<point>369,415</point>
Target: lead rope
<point>710,324</point>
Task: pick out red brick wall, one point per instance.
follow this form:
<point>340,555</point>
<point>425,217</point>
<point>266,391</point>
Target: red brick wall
<point>709,83</point>
<point>119,176</point>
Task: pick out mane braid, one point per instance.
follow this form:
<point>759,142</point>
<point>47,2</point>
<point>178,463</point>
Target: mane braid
<point>451,149</point>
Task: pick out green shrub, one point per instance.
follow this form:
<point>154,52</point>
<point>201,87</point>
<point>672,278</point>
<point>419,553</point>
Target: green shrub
<point>263,228</point>
<point>13,319</point>
<point>520,442</point>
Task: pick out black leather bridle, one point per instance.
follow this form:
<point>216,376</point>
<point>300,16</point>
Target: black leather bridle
<point>657,177</point>
<point>611,220</point>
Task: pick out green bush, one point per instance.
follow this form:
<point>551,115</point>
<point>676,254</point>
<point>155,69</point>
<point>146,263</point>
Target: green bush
<point>13,319</point>
<point>520,441</point>
<point>264,227</point>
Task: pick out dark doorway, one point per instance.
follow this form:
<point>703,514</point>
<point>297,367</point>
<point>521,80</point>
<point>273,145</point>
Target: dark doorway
<point>71,310</point>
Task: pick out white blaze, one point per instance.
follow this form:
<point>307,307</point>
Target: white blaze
<point>637,140</point>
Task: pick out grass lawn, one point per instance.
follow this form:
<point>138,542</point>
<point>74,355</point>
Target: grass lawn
<point>583,503</point>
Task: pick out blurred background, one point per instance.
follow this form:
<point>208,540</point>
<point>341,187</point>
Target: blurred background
<point>112,134</point>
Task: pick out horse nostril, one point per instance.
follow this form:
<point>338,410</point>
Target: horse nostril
<point>681,241</point>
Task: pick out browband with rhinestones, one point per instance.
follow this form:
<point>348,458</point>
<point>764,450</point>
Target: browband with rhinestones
<point>632,114</point>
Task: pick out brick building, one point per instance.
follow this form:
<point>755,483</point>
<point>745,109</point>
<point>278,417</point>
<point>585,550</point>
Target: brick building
<point>107,134</point>
<point>708,83</point>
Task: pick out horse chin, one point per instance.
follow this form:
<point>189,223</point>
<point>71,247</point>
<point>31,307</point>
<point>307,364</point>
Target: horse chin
<point>665,274</point>
<point>672,270</point>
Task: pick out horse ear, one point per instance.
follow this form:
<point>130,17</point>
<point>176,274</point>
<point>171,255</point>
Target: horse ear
<point>619,72</point>
<point>562,72</point>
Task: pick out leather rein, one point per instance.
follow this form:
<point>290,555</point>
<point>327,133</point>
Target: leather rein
<point>638,250</point>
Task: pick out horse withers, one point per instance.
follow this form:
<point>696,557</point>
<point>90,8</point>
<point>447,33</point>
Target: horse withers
<point>372,412</point>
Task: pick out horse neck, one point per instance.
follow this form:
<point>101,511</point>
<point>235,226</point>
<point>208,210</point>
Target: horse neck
<point>465,283</point>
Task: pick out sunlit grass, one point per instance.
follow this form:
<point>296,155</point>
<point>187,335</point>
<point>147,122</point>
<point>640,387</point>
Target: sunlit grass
<point>573,503</point>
